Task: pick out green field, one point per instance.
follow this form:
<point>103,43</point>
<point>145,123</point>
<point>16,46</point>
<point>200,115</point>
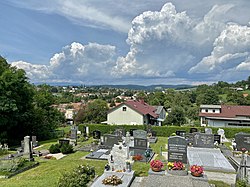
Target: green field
<point>49,171</point>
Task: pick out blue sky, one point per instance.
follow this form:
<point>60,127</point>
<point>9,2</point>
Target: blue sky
<point>119,42</point>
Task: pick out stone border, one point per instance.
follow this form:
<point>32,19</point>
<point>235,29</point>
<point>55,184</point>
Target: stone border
<point>19,171</point>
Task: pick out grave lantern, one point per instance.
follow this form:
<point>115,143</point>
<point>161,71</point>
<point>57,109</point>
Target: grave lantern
<point>147,154</point>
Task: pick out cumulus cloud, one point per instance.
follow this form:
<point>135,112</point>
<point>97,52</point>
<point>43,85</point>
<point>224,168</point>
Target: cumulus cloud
<point>168,43</point>
<point>231,50</point>
<point>76,63</point>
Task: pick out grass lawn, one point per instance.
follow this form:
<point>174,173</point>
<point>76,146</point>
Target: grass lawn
<point>49,171</point>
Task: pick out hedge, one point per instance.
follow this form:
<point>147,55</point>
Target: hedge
<point>164,131</point>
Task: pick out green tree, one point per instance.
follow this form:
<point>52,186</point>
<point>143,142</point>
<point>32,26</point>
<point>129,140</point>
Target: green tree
<point>15,103</point>
<point>176,116</point>
<point>96,112</point>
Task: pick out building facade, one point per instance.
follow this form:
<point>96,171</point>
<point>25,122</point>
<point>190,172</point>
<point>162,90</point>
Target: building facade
<point>224,116</point>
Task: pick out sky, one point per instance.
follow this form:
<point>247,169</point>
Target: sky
<point>144,42</point>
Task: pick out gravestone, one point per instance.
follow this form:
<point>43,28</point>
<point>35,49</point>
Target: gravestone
<point>140,134</point>
<point>63,141</point>
<point>97,134</point>
<point>189,137</point>
<point>177,149</point>
<point>242,141</point>
<point>140,143</point>
<point>109,140</point>
<point>27,151</point>
<point>120,132</point>
<point>192,130</point>
<point>34,142</point>
<point>87,131</point>
<point>221,132</point>
<point>127,139</point>
<point>131,131</point>
<point>154,133</point>
<point>208,131</point>
<point>203,140</point>
<point>73,134</point>
<point>180,133</point>
<point>118,157</point>
<point>217,138</point>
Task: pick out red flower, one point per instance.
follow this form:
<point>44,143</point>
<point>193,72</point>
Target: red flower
<point>178,166</point>
<point>156,164</point>
<point>196,169</point>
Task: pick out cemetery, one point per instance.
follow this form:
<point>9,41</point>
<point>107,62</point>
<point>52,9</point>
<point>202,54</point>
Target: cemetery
<point>127,158</point>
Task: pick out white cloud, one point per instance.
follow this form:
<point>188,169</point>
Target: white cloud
<point>76,63</point>
<point>231,50</point>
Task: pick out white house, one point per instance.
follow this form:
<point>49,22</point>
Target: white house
<point>224,116</point>
<point>136,113</point>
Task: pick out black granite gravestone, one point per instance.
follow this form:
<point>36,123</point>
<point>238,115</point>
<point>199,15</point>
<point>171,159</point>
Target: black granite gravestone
<point>109,140</point>
<point>177,149</point>
<point>192,130</point>
<point>180,133</point>
<point>96,134</point>
<point>140,134</point>
<point>131,131</point>
<point>217,138</point>
<point>242,141</point>
<point>203,140</point>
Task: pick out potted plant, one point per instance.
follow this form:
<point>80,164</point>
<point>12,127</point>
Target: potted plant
<point>196,170</point>
<point>156,165</point>
<point>176,168</point>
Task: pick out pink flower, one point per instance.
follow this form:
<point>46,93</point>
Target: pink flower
<point>156,164</point>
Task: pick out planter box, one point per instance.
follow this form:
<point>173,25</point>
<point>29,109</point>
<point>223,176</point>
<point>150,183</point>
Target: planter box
<point>178,172</point>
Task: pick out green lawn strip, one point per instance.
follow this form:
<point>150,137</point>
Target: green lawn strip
<point>49,171</point>
<point>162,141</point>
<point>218,183</point>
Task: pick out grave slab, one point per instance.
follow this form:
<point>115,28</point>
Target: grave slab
<point>210,158</point>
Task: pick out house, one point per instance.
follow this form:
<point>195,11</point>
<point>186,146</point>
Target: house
<point>224,116</point>
<point>134,112</point>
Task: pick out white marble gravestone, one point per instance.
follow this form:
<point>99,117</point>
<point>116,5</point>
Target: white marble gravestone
<point>221,132</point>
<point>118,157</point>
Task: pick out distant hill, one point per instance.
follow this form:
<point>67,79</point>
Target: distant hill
<point>150,87</point>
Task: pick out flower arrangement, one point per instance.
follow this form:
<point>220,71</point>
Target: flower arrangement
<point>176,165</point>
<point>196,170</point>
<point>137,157</point>
<point>112,180</point>
<point>156,165</point>
<point>244,150</point>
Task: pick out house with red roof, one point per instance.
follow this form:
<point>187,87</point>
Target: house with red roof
<point>133,112</point>
<point>224,116</point>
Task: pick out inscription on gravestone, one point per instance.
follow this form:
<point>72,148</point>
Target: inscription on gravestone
<point>177,149</point>
<point>242,141</point>
<point>217,138</point>
<point>140,134</point>
<point>203,140</point>
<point>140,143</point>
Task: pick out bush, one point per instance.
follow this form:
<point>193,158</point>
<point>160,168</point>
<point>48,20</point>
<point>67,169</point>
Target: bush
<point>164,131</point>
<point>54,148</point>
<point>66,148</point>
<point>79,177</point>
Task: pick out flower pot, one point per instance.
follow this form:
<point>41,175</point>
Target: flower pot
<point>156,169</point>
<point>195,174</point>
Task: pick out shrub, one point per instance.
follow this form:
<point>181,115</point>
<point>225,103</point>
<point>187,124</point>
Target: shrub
<point>54,148</point>
<point>79,177</point>
<point>66,148</point>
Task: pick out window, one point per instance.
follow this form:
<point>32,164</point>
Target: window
<point>124,108</point>
<point>213,111</point>
<point>206,110</point>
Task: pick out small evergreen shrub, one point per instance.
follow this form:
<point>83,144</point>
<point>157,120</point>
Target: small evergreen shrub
<point>66,148</point>
<point>54,148</point>
<point>79,177</point>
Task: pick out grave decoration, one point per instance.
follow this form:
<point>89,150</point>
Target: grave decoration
<point>112,180</point>
<point>176,168</point>
<point>196,171</point>
<point>156,165</point>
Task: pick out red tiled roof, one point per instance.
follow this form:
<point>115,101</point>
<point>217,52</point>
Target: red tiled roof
<point>229,112</point>
<point>142,107</point>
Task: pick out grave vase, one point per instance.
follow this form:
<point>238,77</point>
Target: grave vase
<point>196,174</point>
<point>156,169</point>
